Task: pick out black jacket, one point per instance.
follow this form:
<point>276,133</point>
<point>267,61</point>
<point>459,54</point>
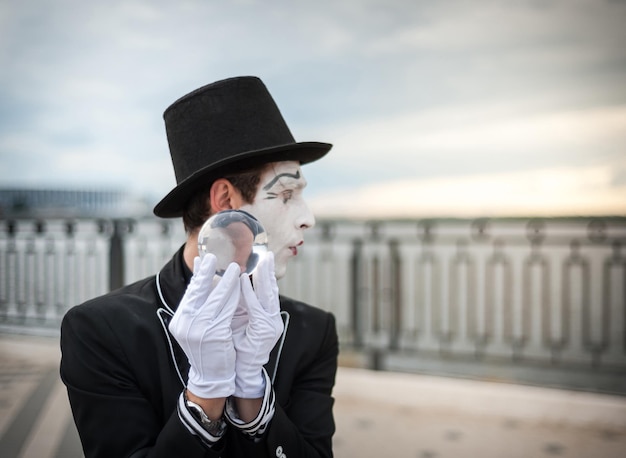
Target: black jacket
<point>124,373</point>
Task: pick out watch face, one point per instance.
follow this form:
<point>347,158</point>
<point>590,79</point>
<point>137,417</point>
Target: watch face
<point>215,428</point>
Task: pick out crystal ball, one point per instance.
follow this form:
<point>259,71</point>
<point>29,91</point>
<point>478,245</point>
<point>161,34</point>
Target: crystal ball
<point>233,236</point>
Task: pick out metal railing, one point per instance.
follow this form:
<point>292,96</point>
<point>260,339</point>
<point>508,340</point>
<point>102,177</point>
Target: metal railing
<point>537,300</point>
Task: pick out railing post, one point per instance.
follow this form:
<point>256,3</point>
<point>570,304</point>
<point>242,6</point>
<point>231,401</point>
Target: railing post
<point>395,301</point>
<point>355,280</point>
<point>116,254</point>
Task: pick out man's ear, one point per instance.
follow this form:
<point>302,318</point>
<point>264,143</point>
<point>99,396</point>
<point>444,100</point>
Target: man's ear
<point>224,196</point>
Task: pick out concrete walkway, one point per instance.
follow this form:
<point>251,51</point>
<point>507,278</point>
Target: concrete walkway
<point>377,414</point>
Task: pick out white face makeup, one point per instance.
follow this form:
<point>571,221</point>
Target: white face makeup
<point>280,208</point>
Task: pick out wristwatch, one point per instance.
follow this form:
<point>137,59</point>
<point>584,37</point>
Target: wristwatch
<point>215,428</point>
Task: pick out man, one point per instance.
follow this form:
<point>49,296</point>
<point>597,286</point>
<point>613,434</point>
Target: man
<point>179,365</point>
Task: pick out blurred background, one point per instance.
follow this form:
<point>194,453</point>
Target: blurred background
<point>471,215</point>
<point>474,200</point>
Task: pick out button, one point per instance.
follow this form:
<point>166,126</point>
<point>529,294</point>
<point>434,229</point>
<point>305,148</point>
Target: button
<point>279,451</point>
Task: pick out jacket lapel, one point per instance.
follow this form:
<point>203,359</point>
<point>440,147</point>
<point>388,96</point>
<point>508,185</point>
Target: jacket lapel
<point>272,365</point>
<point>171,284</point>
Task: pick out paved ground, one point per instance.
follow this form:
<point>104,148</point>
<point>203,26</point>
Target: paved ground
<point>377,414</point>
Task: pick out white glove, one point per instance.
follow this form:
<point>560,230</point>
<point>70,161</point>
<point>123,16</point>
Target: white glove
<point>201,325</point>
<point>257,326</point>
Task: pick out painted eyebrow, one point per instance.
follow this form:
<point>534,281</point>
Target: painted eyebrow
<point>269,185</point>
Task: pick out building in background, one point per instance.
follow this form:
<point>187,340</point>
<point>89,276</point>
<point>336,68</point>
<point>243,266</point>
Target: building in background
<point>70,203</point>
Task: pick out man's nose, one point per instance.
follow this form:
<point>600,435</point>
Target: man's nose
<point>306,219</point>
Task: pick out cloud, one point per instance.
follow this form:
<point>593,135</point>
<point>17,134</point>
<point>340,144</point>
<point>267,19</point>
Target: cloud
<point>548,192</point>
<point>471,140</point>
<point>408,91</point>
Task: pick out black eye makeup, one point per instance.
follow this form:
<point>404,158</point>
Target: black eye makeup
<point>273,181</point>
<point>285,195</point>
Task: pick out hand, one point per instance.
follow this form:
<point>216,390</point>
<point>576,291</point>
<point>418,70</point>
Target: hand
<point>257,326</point>
<point>202,327</point>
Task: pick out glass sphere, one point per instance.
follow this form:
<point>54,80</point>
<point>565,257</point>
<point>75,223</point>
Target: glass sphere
<point>233,236</point>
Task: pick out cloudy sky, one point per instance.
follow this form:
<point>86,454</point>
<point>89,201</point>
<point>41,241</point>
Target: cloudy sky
<point>447,108</point>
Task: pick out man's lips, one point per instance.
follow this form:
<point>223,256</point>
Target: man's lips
<point>294,249</point>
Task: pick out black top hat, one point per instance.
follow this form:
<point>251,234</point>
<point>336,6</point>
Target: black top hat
<point>222,128</point>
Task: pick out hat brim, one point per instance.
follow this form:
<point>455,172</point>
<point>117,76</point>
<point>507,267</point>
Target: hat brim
<point>172,205</point>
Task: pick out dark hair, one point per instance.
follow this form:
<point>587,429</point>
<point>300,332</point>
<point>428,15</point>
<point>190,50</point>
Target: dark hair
<point>198,208</point>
